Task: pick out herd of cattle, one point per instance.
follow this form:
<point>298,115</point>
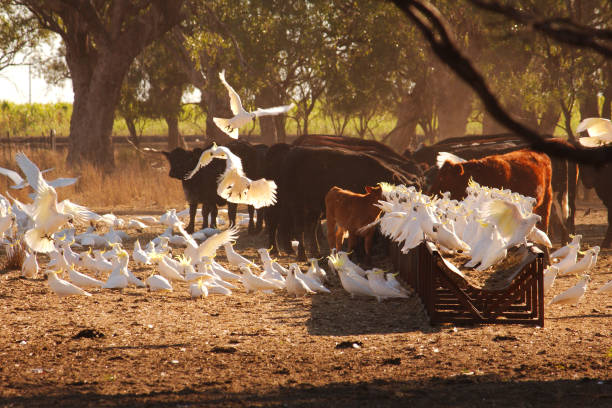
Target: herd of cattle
<point>306,170</point>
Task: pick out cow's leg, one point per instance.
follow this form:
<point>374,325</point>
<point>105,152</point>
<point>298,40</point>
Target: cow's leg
<point>193,208</point>
<point>367,245</point>
<point>607,242</point>
<point>213,216</point>
<point>301,225</point>
<point>251,211</point>
<point>261,215</point>
<point>339,236</point>
<point>332,239</point>
<point>231,213</point>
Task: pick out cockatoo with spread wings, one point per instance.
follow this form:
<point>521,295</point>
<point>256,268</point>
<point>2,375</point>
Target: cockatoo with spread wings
<point>241,116</point>
<point>511,223</point>
<point>208,248</point>
<point>233,184</point>
<point>47,214</point>
<point>21,183</point>
<point>599,130</point>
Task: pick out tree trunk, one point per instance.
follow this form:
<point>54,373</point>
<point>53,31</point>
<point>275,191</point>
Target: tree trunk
<point>268,130</point>
<point>403,135</point>
<point>131,126</point>
<point>174,137</point>
<point>454,105</point>
<point>96,95</point>
<point>281,133</point>
<point>549,119</point>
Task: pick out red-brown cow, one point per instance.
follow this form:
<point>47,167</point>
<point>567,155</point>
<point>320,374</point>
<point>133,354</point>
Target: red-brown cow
<point>349,211</point>
<point>522,171</point>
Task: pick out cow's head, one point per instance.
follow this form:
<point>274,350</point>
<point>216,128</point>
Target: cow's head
<point>374,192</point>
<point>451,177</point>
<point>182,161</point>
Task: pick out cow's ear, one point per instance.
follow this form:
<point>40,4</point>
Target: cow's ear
<point>458,167</point>
<point>368,189</point>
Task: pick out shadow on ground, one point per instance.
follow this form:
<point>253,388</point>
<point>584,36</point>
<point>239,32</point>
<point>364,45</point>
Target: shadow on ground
<point>461,391</point>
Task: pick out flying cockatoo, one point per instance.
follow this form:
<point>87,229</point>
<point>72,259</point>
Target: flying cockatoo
<point>209,247</point>
<point>242,117</point>
<point>599,130</point>
<point>21,183</point>
<point>511,224</point>
<point>233,184</point>
<point>47,215</point>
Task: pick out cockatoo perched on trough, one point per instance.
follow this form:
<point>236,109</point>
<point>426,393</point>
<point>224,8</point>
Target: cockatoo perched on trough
<point>233,184</point>
<point>48,215</point>
<point>242,117</point>
<point>599,130</point>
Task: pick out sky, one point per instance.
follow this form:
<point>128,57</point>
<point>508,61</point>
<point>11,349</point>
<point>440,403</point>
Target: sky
<point>14,87</point>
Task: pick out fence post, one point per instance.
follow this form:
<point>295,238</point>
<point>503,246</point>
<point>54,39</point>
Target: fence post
<point>52,139</point>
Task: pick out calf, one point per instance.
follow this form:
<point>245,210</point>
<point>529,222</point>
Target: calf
<point>522,171</point>
<point>347,211</point>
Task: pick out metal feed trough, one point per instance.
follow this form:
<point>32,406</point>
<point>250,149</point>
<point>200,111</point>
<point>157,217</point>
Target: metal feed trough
<point>449,298</point>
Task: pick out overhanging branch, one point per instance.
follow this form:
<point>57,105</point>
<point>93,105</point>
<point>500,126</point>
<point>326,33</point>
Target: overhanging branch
<point>435,29</point>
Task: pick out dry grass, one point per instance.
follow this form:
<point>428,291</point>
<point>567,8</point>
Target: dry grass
<point>15,255</point>
<point>133,184</point>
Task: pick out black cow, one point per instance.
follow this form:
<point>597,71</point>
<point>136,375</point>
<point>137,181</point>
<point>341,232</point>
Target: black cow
<point>202,187</point>
<point>308,173</point>
<point>599,179</point>
<point>272,170</point>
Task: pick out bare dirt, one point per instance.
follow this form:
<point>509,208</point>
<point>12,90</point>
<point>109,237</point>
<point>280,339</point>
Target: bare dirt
<point>135,348</point>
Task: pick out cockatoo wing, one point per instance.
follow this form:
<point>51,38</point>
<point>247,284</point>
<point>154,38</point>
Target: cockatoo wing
<point>13,175</point>
<point>209,247</point>
<point>45,205</point>
<point>63,181</point>
<point>261,193</point>
<point>504,214</point>
<point>446,156</point>
<point>188,237</point>
<point>226,127</point>
<point>79,213</point>
<point>277,110</point>
<point>596,127</point>
<point>235,102</point>
<point>32,173</point>
<point>591,141</point>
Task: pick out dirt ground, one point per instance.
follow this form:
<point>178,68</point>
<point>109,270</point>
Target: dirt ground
<point>260,349</point>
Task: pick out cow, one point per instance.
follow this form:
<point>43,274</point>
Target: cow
<point>308,173</point>
<point>272,170</point>
<point>347,211</point>
<point>564,173</point>
<point>522,171</point>
<point>599,179</point>
<point>371,147</point>
<point>202,187</point>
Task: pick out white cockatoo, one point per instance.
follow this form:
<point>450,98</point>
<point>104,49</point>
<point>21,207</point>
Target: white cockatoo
<point>253,283</point>
<point>241,116</point>
<point>312,283</point>
<point>294,285</point>
<point>573,294</point>
<point>550,274</point>
<point>233,184</point>
<point>235,259</point>
<point>607,287</point>
<point>47,215</point>
<point>511,223</point>
<point>599,130</point>
<point>381,287</point>
<point>585,264</point>
<point>63,288</point>
<point>564,250</point>
<point>29,269</point>
<point>195,252</point>
<point>198,289</point>
<point>21,183</point>
<point>82,280</point>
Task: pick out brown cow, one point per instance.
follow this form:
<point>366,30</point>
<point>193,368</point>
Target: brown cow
<point>522,171</point>
<point>349,211</point>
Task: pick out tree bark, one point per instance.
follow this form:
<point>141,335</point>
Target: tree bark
<point>96,95</point>
<point>454,105</point>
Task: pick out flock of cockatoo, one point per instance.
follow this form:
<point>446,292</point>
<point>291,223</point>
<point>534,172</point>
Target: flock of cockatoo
<point>483,226</point>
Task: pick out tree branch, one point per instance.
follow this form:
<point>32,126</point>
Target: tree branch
<point>434,28</point>
<point>561,29</point>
